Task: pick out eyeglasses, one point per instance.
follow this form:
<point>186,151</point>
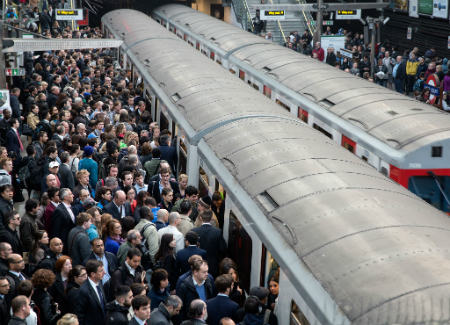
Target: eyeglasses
<point>17,262</point>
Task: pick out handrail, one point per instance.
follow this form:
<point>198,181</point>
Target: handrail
<point>283,38</point>
<point>307,15</point>
<point>242,12</point>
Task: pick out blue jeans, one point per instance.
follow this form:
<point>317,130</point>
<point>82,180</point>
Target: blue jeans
<point>382,82</point>
<point>399,85</point>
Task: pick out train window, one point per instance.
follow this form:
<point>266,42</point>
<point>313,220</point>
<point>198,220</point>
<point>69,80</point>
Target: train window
<point>436,151</point>
<point>163,121</point>
<point>267,91</point>
<point>212,56</point>
<point>365,158</point>
<point>232,71</point>
<point>250,83</point>
<point>240,249</point>
<point>182,157</point>
<point>203,184</point>
<point>384,171</point>
<point>242,75</point>
<point>328,134</point>
<point>432,189</point>
<point>297,317</point>
<point>303,115</point>
<point>198,46</point>
<point>219,62</point>
<point>256,87</point>
<point>283,105</point>
<point>184,37</point>
<point>349,147</point>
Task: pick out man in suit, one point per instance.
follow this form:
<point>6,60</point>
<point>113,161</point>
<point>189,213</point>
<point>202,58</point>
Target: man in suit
<point>168,153</point>
<point>109,260</point>
<point>91,304</point>
<point>5,251</point>
<point>14,103</point>
<point>63,219</point>
<point>211,240</point>
<point>222,306</point>
<point>67,180</point>
<point>141,308</point>
<point>4,308</point>
<point>13,143</point>
<point>119,208</point>
<point>181,263</point>
<point>399,74</point>
<point>165,311</point>
<point>53,96</point>
<point>53,195</point>
<point>9,233</point>
<point>16,265</point>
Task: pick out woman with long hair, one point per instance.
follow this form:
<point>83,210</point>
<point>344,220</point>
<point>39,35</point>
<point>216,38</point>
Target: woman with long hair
<point>105,219</point>
<point>166,257</point>
<point>103,196</point>
<point>68,319</point>
<point>227,266</point>
<point>160,288</point>
<point>43,205</point>
<point>112,233</point>
<point>130,193</point>
<point>59,102</point>
<point>127,224</point>
<point>40,247</point>
<point>182,183</point>
<point>140,200</point>
<point>66,144</point>
<point>273,295</point>
<point>166,199</point>
<point>42,280</point>
<point>77,276</point>
<point>424,96</point>
<point>63,266</point>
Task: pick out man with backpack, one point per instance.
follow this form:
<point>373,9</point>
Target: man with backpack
<point>418,85</point>
<point>109,171</point>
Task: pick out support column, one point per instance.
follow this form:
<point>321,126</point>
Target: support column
<point>192,165</point>
<point>2,59</point>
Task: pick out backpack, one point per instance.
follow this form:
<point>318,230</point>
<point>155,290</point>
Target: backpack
<point>266,317</point>
<point>418,85</point>
<point>24,175</point>
<point>37,173</point>
<point>39,128</point>
<point>109,296</point>
<point>102,170</point>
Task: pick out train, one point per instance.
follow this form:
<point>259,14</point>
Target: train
<point>352,245</point>
<point>406,140</point>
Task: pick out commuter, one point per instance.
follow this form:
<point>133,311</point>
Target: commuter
<point>67,179</point>
<point>166,310</point>
<point>186,223</point>
<point>6,203</point>
<point>5,251</point>
<point>211,240</point>
<point>78,239</point>
<point>165,257</point>
<point>141,309</point>
<point>197,313</point>
<point>159,291</point>
<point>222,306</point>
<point>133,241</point>
<point>112,232</point>
<point>399,73</point>
<point>51,256</point>
<point>16,267</point>
<point>21,310</point>
<point>26,289</point>
<point>237,294</point>
<point>162,219</point>
<point>148,232</point>
<point>318,50</point>
<point>77,276</point>
<point>117,310</point>
<point>130,271</point>
<point>411,71</point>
<point>4,308</point>
<point>63,219</point>
<point>182,261</point>
<point>119,208</point>
<point>381,73</point>
<point>174,221</point>
<point>9,234</point>
<point>63,266</point>
<point>53,195</point>
<point>42,280</point>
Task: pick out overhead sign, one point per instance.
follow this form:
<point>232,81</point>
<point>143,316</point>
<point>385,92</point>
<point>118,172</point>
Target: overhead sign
<point>401,5</point>
<point>327,23</point>
<point>272,15</point>
<point>348,14</point>
<point>69,14</point>
<point>15,72</point>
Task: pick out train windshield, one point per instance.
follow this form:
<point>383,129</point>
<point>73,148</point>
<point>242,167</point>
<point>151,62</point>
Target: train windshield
<point>433,189</point>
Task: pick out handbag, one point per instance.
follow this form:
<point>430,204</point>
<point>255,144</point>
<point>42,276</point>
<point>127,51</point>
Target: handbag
<point>26,130</point>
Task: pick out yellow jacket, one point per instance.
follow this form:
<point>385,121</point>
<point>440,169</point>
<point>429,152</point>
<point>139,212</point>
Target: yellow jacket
<point>411,67</point>
<point>32,120</point>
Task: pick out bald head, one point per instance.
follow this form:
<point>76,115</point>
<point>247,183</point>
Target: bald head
<point>5,250</point>
<point>56,246</point>
<point>163,215</point>
<point>51,180</point>
<point>15,262</point>
<point>119,198</point>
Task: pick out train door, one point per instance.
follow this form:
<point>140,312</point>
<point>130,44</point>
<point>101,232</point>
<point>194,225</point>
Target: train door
<point>203,181</point>
<point>268,92</point>
<point>182,156</point>
<point>148,101</point>
<point>303,115</point>
<point>433,189</point>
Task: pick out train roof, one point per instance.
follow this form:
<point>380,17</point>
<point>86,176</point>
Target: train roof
<point>341,231</point>
<point>400,122</point>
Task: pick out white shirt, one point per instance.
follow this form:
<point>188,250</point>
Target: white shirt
<point>94,286</point>
<point>197,284</point>
<point>176,233</point>
<point>55,204</point>
<point>69,208</point>
<point>140,322</point>
<point>132,271</point>
<point>118,208</point>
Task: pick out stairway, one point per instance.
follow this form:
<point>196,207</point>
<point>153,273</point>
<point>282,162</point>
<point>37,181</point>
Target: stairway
<point>293,21</point>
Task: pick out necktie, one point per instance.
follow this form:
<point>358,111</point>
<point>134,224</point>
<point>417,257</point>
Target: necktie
<point>21,277</point>
<point>20,142</point>
<point>101,299</point>
<point>65,284</point>
<point>120,210</point>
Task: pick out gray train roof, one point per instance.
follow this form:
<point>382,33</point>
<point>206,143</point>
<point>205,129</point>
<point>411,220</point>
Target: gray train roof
<point>397,120</point>
<point>340,230</point>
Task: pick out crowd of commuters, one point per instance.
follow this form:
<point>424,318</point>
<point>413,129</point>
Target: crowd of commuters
<point>109,234</point>
<point>405,72</point>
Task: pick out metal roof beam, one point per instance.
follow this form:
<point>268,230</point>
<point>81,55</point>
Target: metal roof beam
<point>28,45</point>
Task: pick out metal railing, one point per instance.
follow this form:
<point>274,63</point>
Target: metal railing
<point>242,14</point>
<point>307,16</point>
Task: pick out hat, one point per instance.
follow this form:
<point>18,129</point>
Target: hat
<point>53,164</point>
<point>92,135</point>
<point>206,200</point>
<point>88,150</point>
<point>260,292</point>
<point>89,201</point>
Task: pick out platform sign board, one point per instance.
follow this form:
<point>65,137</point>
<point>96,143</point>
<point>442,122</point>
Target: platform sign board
<point>4,94</point>
<point>348,14</point>
<point>335,41</point>
<point>272,14</point>
<point>15,72</point>
<point>431,83</point>
<point>69,14</point>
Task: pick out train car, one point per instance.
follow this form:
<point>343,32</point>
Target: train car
<point>353,246</point>
<point>404,139</point>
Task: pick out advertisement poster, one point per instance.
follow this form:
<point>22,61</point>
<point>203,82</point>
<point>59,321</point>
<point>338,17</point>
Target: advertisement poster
<point>440,9</point>
<point>413,8</point>
<point>401,5</point>
<point>336,41</point>
<point>426,7</point>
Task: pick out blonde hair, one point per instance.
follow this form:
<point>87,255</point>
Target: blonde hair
<point>68,319</point>
<point>81,173</point>
<point>182,176</point>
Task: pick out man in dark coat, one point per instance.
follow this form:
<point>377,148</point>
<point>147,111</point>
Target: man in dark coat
<point>14,102</point>
<point>6,204</point>
<point>91,303</point>
<point>222,306</point>
<point>118,207</point>
<point>16,265</point>
<point>51,256</point>
<point>53,97</point>
<point>133,261</point>
<point>211,240</point>
<point>168,153</point>
<point>181,263</point>
<point>109,260</point>
<point>45,21</point>
<point>189,290</point>
<point>67,180</point>
<point>153,186</point>
<point>9,234</point>
<point>4,308</point>
<point>399,73</point>
<point>79,244</point>
<point>117,310</point>
<point>28,62</point>
<point>166,310</point>
<point>63,219</point>
<point>13,143</point>
<point>5,251</point>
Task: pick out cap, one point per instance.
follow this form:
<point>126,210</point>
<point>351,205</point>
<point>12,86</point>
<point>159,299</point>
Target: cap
<point>53,164</point>
<point>260,292</point>
<point>88,150</point>
<point>88,201</point>
<point>92,135</point>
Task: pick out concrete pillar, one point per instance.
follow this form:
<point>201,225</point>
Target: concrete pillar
<point>192,167</point>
